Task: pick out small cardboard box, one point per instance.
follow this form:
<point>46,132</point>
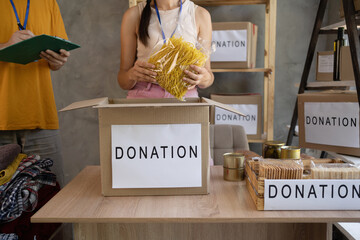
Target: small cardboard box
<point>329,121</point>
<point>153,146</point>
<point>249,104</point>
<point>346,66</point>
<point>356,4</point>
<point>325,66</point>
<point>235,44</point>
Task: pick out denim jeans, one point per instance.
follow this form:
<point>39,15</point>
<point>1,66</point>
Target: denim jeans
<point>46,143</point>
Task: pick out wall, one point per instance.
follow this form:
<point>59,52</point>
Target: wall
<point>91,70</point>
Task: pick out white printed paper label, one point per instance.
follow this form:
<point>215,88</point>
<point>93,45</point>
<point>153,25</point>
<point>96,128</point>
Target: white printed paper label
<point>231,46</point>
<point>314,194</point>
<point>325,63</point>
<point>249,121</point>
<point>332,123</point>
<point>156,156</point>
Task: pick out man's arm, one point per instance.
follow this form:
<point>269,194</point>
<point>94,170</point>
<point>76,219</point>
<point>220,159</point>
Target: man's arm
<point>17,36</point>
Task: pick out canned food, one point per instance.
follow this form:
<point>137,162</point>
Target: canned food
<point>272,149</point>
<point>234,160</point>
<point>233,174</point>
<point>290,152</point>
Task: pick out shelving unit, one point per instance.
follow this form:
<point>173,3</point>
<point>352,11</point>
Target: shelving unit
<point>351,29</point>
<point>269,58</point>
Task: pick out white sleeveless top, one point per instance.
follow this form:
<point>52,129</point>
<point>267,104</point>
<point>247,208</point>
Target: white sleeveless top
<point>169,18</point>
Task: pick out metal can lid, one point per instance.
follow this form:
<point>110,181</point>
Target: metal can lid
<point>290,152</point>
<point>234,160</point>
<point>274,143</point>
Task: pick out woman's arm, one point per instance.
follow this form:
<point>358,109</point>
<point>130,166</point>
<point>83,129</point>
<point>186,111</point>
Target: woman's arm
<point>131,70</point>
<point>203,76</point>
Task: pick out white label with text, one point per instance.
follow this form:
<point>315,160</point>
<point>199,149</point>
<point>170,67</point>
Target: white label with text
<point>249,121</point>
<point>332,123</point>
<point>314,194</point>
<point>156,156</point>
<point>231,46</point>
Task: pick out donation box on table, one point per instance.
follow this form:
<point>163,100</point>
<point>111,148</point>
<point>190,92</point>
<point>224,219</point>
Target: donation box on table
<point>153,146</point>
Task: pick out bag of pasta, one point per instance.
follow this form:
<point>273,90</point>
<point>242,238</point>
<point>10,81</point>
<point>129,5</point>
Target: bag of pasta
<point>175,56</point>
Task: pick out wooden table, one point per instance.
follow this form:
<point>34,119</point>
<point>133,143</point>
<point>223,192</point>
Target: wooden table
<point>226,213</point>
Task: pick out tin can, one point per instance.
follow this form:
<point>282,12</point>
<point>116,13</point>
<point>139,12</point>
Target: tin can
<point>234,166</point>
<point>272,149</point>
<point>234,174</point>
<point>234,160</point>
<point>290,152</point>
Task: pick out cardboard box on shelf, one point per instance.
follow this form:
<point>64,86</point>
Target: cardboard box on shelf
<point>329,121</point>
<point>346,67</point>
<point>249,104</point>
<point>356,4</point>
<point>235,44</point>
<point>153,146</point>
<point>325,66</point>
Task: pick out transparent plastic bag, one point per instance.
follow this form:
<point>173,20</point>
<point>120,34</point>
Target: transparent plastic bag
<point>335,171</point>
<point>175,56</point>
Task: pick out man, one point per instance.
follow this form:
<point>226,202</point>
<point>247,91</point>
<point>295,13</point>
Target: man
<point>28,114</point>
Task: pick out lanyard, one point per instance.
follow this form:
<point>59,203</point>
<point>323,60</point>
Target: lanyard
<point>177,24</point>
<point>21,27</point>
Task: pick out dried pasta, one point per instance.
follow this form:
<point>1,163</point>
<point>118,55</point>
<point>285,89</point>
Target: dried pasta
<point>175,56</point>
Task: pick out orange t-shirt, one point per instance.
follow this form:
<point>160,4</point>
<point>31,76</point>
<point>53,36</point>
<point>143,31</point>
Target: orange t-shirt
<point>26,92</point>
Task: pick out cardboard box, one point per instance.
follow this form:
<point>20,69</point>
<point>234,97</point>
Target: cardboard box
<point>249,104</point>
<point>153,146</point>
<point>329,121</point>
<point>346,66</point>
<point>356,4</point>
<point>235,44</point>
<point>325,66</point>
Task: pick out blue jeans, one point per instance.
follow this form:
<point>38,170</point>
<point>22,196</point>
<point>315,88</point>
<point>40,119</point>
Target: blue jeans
<point>46,143</point>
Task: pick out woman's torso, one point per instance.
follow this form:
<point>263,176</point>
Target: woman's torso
<point>170,18</point>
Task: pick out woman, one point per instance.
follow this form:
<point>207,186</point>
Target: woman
<point>143,26</point>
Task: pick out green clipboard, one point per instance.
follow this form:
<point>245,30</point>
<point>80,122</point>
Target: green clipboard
<point>29,50</point>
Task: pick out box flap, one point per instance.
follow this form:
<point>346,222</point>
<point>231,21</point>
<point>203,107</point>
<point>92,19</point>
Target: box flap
<point>85,104</point>
<point>223,106</point>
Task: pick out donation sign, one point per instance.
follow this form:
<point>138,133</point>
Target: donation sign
<point>156,156</point>
<point>231,46</point>
<point>332,123</point>
<point>249,121</point>
<point>314,194</point>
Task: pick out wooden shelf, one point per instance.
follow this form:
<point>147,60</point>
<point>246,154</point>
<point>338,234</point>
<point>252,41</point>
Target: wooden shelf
<point>267,70</point>
<point>332,28</point>
<point>256,140</point>
<point>329,85</point>
<point>216,2</point>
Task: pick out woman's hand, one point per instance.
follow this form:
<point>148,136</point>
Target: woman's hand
<point>142,72</point>
<point>197,76</point>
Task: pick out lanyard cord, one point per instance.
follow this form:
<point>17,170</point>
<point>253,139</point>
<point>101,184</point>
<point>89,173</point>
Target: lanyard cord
<point>21,27</point>
<point>158,15</point>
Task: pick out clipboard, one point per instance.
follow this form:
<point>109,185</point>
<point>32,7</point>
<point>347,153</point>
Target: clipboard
<point>28,51</point>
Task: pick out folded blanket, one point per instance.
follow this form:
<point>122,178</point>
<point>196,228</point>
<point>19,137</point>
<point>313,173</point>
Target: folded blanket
<point>6,174</point>
<point>8,153</point>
